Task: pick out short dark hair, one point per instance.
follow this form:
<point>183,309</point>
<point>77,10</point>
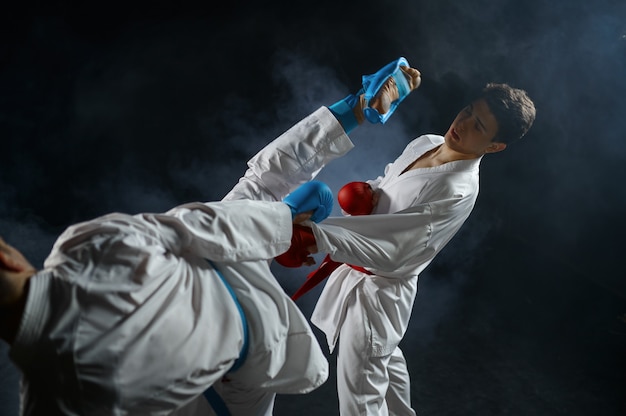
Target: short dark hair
<point>513,109</point>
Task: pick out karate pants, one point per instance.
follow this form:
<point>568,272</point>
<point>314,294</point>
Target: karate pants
<point>367,384</point>
<point>291,159</point>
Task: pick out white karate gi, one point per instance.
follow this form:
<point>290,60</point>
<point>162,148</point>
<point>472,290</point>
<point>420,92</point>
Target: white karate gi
<point>419,211</point>
<point>129,318</point>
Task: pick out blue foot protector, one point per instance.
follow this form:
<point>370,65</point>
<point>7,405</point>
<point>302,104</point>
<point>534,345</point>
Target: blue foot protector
<point>373,83</point>
<point>343,111</point>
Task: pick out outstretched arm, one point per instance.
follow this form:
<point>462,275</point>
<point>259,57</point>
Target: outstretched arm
<point>251,230</point>
<point>396,244</point>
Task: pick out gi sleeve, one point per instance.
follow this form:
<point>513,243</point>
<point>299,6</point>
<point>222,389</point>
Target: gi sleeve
<point>230,231</point>
<point>393,244</point>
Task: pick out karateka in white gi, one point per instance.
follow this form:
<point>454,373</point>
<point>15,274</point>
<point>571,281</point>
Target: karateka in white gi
<point>423,199</point>
<point>140,314</point>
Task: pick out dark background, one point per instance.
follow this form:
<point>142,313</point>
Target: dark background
<point>133,108</point>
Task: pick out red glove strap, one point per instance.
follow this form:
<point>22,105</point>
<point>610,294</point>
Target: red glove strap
<point>297,254</point>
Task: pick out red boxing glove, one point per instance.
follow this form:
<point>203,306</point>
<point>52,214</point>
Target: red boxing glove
<point>297,254</point>
<point>356,198</point>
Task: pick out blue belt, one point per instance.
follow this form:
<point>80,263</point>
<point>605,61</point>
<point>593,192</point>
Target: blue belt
<point>210,394</point>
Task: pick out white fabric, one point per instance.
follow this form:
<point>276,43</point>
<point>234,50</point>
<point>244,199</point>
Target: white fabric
<point>288,161</point>
<point>293,158</point>
<point>419,211</point>
<point>128,317</point>
<point>367,384</point>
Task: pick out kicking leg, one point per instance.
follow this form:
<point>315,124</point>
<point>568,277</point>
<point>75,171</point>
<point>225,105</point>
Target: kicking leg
<point>301,152</point>
<point>293,158</point>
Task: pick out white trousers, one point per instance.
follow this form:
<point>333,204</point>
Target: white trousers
<point>367,384</point>
<point>293,158</point>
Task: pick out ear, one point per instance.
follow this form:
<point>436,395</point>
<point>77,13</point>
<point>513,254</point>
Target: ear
<point>495,147</point>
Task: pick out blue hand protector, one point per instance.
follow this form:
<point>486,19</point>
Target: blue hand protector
<point>311,196</point>
<point>373,83</point>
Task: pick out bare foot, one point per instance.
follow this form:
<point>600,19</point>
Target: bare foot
<point>389,91</point>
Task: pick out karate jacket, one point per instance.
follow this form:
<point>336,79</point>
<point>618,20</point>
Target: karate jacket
<point>130,316</point>
<point>418,212</point>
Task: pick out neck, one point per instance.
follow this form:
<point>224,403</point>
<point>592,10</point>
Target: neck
<point>444,154</point>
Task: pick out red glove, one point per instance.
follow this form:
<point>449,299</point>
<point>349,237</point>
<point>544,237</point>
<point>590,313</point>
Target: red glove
<point>356,198</point>
<point>297,254</point>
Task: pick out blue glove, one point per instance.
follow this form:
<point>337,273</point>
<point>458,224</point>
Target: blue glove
<point>311,196</point>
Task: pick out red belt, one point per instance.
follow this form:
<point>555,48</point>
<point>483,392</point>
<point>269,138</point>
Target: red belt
<point>322,272</point>
<point>361,269</point>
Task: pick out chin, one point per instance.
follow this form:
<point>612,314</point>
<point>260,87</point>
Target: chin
<point>449,139</point>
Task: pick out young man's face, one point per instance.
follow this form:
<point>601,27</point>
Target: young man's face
<point>473,130</point>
